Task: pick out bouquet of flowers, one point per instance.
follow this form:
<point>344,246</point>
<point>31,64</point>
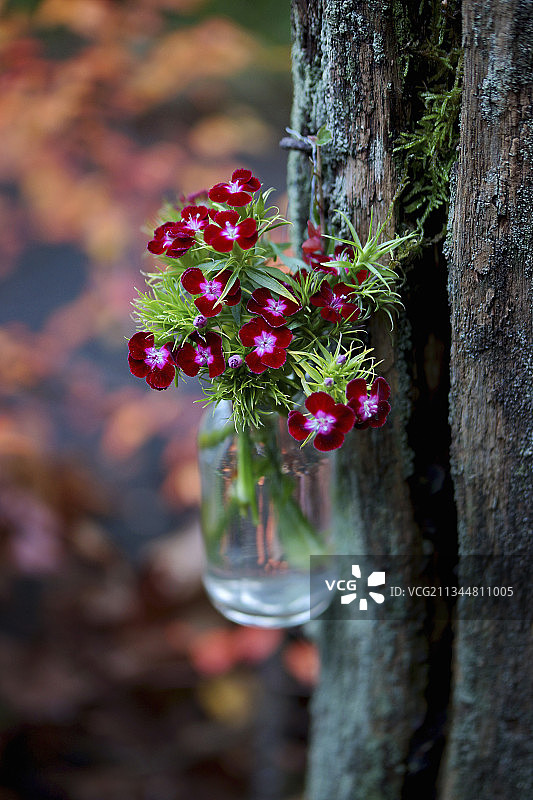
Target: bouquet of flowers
<point>261,329</point>
<point>277,343</point>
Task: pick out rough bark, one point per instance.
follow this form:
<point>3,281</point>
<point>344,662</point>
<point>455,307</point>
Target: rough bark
<point>370,701</point>
<point>490,287</point>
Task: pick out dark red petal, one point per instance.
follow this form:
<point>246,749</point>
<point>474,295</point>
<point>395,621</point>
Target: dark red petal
<point>156,246</point>
<point>209,308</point>
<point>296,424</point>
<point>247,227</point>
<point>361,276</point>
<point>235,289</point>
<point>218,242</point>
<point>161,378</point>
<point>185,360</point>
<point>356,389</point>
<point>291,307</point>
<point>324,268</point>
<point>214,342</point>
<point>342,288</point>
<point>242,175</point>
<point>219,192</point>
<point>319,401</point>
<point>234,296</point>
<point>211,232</point>
<point>255,363</point>
<point>194,211</point>
<point>247,242</point>
<point>350,311</point>
<point>328,441</point>
<point>138,368</point>
<point>169,347</point>
<point>344,417</point>
<point>330,315</point>
<point>139,342</point>
<point>283,336</point>
<point>250,330</point>
<point>323,297</point>
<point>381,415</point>
<point>253,184</point>
<point>275,359</point>
<point>238,199</point>
<point>179,247</point>
<point>221,217</point>
<point>274,320</point>
<point>361,425</point>
<point>191,280</point>
<point>313,230</point>
<point>217,366</point>
<point>381,388</point>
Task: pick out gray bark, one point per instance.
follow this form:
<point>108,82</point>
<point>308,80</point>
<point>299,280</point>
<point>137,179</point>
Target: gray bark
<point>370,701</point>
<point>371,710</point>
<point>491,269</point>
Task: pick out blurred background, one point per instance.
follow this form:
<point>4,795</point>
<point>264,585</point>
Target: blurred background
<point>117,678</point>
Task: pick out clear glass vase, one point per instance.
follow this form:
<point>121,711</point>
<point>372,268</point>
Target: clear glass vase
<point>266,508</point>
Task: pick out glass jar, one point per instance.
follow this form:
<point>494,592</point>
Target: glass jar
<point>266,508</point>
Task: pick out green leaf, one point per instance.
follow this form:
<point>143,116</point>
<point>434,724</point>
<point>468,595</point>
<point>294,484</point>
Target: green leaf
<point>262,279</point>
<point>323,136</point>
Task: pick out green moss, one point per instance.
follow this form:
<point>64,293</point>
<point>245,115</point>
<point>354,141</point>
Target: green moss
<point>426,152</point>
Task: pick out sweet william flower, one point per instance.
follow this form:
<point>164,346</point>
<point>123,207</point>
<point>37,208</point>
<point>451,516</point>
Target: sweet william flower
<point>156,364</point>
<point>274,311</point>
<point>313,247</point>
<point>268,344</point>
<point>236,192</point>
<point>227,230</point>
<point>335,303</point>
<point>327,420</point>
<point>371,409</point>
<point>194,219</point>
<point>210,289</point>
<point>172,239</point>
<point>201,351</point>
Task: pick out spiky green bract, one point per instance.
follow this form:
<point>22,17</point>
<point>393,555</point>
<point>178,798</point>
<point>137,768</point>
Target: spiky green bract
<point>378,291</point>
<point>251,395</point>
<point>426,153</point>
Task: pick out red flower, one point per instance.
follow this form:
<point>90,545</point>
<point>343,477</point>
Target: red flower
<point>329,421</point>
<point>238,191</point>
<point>228,230</point>
<point>370,409</point>
<point>206,351</point>
<point>273,311</point>
<point>269,345</point>
<point>194,219</point>
<point>313,248</point>
<point>335,303</point>
<point>195,282</point>
<point>156,364</point>
<point>171,238</point>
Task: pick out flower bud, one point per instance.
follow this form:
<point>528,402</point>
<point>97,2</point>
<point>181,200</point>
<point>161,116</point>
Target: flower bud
<point>234,361</point>
<point>328,381</point>
<point>341,359</point>
<point>200,321</point>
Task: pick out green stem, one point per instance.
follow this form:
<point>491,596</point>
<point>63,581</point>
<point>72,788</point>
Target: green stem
<point>245,483</point>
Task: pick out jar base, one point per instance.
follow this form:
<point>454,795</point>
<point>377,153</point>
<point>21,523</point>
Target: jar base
<point>273,601</point>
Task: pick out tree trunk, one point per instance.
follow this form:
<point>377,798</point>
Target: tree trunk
<point>370,702</point>
<point>382,710</point>
<point>491,270</point>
